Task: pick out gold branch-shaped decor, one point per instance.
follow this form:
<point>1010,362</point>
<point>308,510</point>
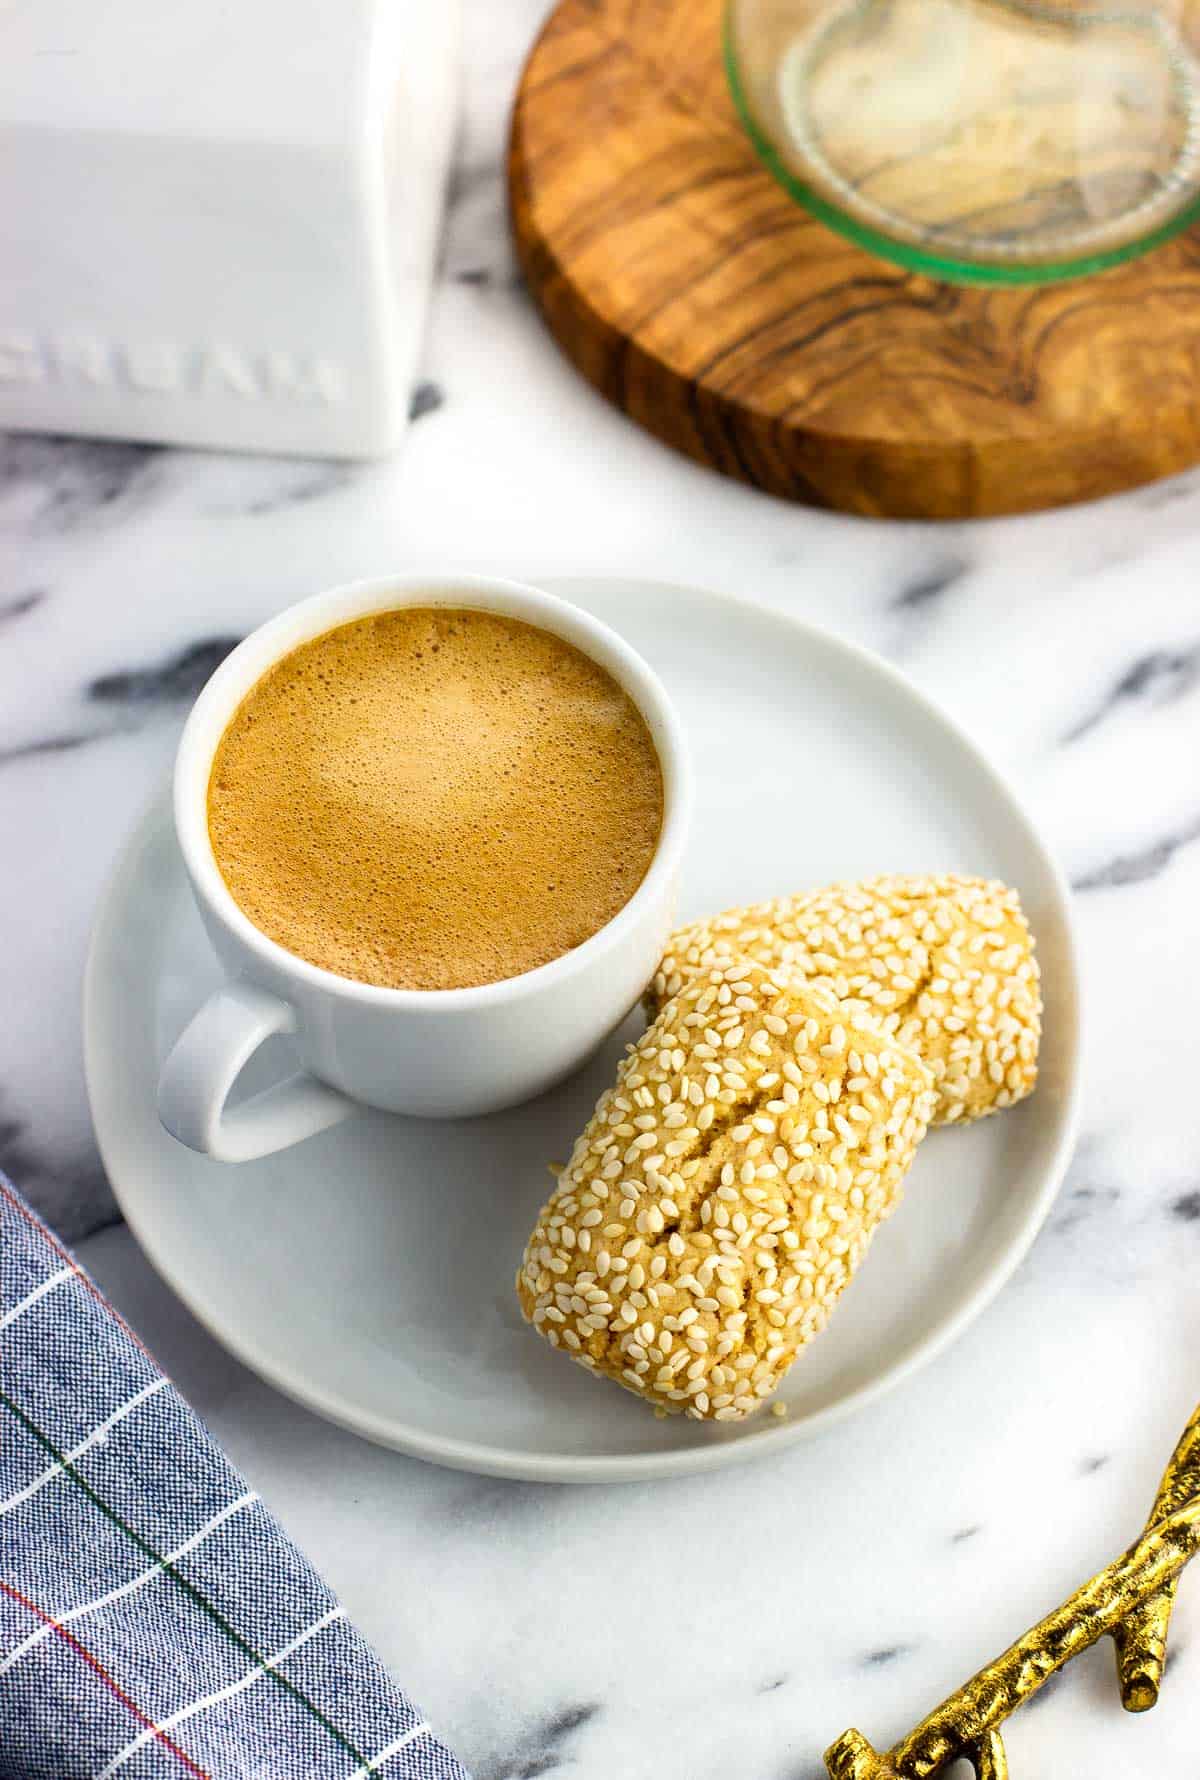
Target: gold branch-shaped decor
<point>1131,1602</point>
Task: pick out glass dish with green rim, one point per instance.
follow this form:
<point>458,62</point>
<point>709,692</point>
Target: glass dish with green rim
<point>981,141</point>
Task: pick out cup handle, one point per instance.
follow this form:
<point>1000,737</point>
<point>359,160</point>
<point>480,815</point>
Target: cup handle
<point>206,1061</point>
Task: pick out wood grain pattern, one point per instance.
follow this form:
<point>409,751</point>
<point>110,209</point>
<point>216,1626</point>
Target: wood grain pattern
<point>698,297</point>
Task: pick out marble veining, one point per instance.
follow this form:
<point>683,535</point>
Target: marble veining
<point>128,693</point>
<point>927,587</point>
<point>180,676</point>
<point>547,1745</point>
<point>75,480</point>
<point>427,398</point>
<point>1158,679</point>
<point>311,480</point>
<point>1137,867</point>
<point>733,1624</point>
<point>1078,1203</point>
<point>50,744</point>
<point>20,603</point>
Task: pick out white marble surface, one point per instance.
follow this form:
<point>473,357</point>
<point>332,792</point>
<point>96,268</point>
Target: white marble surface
<point>729,1625</point>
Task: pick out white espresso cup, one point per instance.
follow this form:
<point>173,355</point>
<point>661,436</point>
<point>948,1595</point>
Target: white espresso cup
<point>437,1053</point>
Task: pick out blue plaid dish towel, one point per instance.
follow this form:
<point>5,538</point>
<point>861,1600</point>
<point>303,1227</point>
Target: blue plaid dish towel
<point>155,1620</point>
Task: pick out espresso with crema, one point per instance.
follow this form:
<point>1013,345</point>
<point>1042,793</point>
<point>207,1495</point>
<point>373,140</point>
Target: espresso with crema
<point>433,798</point>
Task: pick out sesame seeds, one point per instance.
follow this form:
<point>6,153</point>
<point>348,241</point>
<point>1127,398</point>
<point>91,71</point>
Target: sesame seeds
<point>730,1240</point>
<point>944,965</point>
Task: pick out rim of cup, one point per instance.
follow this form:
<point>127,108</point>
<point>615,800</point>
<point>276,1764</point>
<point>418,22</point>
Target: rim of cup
<point>308,618</point>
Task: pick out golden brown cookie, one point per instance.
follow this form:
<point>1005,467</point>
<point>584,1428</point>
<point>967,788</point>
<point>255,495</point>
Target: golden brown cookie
<point>944,964</point>
<point>724,1191</point>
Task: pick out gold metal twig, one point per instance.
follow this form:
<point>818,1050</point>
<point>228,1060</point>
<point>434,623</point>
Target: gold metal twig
<point>1137,1589</point>
<point>1141,1638</point>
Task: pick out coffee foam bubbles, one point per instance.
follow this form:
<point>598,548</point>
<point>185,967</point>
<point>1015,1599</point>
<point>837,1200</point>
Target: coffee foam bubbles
<point>432,797</point>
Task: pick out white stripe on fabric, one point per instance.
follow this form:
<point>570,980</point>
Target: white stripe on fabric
<point>377,1761</point>
<point>93,1439</point>
<point>131,1587</point>
<point>47,1285</point>
<point>224,1693</point>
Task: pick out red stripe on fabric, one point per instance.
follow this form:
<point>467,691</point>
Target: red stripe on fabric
<point>95,1664</point>
<point>66,1255</point>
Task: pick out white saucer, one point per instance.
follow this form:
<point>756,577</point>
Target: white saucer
<point>369,1272</point>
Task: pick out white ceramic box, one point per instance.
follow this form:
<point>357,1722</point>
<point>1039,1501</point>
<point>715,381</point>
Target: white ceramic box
<point>219,218</point>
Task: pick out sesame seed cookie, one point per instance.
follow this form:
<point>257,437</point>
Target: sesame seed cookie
<point>944,964</point>
<point>724,1191</point>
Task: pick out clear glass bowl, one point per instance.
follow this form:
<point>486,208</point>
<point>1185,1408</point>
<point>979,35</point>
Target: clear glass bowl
<point>984,141</point>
